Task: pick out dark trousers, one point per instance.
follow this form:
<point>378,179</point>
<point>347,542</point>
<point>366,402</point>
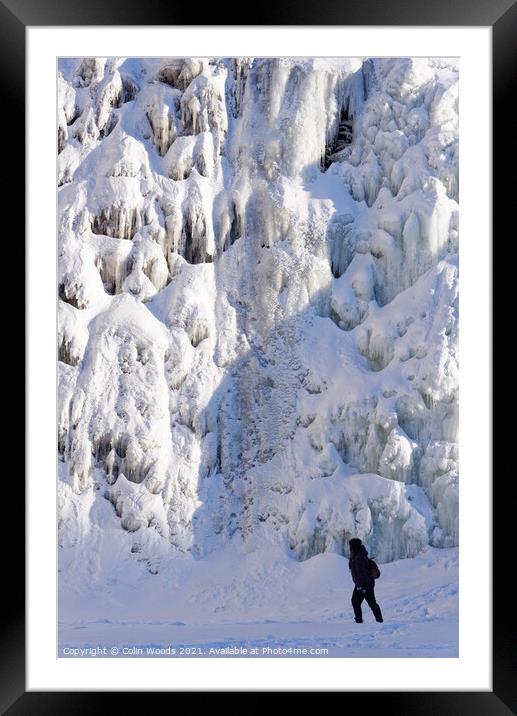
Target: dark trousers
<point>357,600</point>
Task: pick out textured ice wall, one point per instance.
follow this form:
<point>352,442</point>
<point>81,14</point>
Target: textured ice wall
<point>258,333</point>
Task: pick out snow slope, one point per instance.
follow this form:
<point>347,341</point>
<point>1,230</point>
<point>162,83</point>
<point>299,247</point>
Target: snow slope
<point>233,602</point>
<point>258,316</point>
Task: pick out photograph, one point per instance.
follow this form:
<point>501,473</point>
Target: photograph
<point>257,309</point>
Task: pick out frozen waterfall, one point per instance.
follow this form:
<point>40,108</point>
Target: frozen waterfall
<point>258,304</point>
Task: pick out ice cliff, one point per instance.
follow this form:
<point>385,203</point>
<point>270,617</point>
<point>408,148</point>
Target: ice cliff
<point>258,305</point>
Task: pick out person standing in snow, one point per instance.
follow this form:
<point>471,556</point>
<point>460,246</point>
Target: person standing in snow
<point>364,582</point>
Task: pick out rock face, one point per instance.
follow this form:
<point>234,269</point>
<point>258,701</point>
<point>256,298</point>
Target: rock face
<point>258,304</point>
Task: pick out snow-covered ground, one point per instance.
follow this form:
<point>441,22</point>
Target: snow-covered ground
<point>237,602</point>
<point>258,348</point>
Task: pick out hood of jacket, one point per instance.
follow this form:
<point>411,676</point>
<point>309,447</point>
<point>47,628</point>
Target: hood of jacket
<point>361,552</point>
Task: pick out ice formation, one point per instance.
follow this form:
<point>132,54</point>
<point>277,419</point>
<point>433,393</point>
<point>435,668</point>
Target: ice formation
<point>258,304</point>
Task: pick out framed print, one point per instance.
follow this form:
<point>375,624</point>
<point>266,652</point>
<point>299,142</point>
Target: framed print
<point>261,263</point>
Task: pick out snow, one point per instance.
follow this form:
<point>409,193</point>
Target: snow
<point>258,345</point>
<point>237,602</point>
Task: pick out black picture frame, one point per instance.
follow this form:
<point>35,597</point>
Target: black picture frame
<point>501,16</point>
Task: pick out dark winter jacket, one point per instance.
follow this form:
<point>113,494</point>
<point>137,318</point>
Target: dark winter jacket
<point>358,564</point>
